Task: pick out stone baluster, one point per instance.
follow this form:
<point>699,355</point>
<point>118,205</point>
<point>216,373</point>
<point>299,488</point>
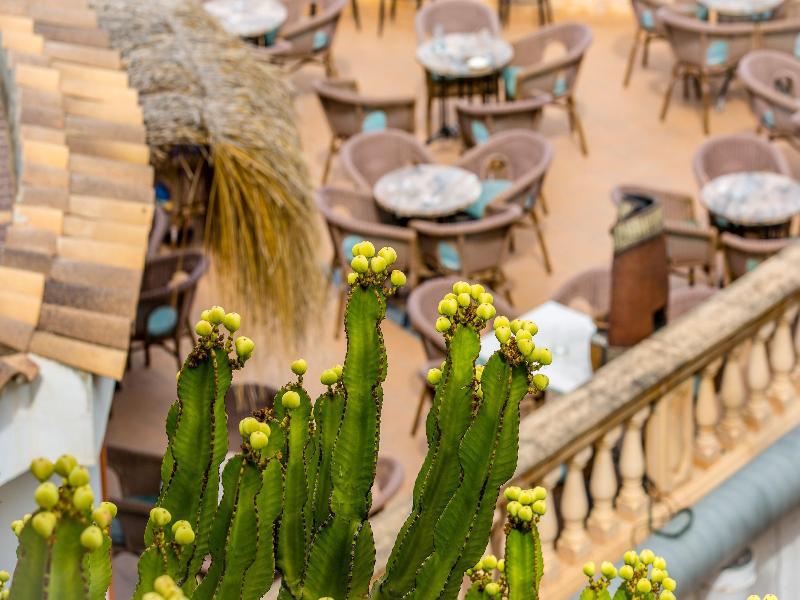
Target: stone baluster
<point>782,357</point>
<point>602,522</point>
<point>758,411</point>
<point>573,543</point>
<point>732,395</point>
<point>707,446</point>
<point>632,499</point>
<point>548,527</point>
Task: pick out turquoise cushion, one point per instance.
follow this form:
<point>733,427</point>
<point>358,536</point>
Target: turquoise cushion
<point>448,256</point>
<point>348,243</point>
<point>162,321</point>
<point>374,121</point>
<point>751,264</point>
<point>648,20</point>
<point>701,12</point>
<point>479,132</point>
<point>768,119</point>
<point>320,41</point>
<point>510,79</point>
<point>490,188</point>
<point>560,86</point>
<point>270,37</point>
<point>717,53</point>
<point>797,46</point>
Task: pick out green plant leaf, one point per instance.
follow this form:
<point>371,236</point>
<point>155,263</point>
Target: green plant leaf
<point>603,595</point>
<point>328,571</point>
<point>33,554</point>
<point>151,565</point>
<point>259,576</point>
<point>97,570</point>
<point>622,593</point>
<point>363,563</point>
<point>519,565</point>
<point>328,411</point>
<point>588,594</point>
<point>66,576</point>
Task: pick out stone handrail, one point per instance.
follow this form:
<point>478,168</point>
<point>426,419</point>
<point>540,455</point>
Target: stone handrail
<point>685,409</point>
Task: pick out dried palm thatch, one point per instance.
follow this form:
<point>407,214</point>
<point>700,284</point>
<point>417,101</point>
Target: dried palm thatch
<point>201,88</point>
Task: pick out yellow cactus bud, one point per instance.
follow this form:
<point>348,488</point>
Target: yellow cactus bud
<point>360,264</point>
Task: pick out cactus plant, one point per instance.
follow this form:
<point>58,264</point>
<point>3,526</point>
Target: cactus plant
<point>296,497</point>
<point>643,576</point>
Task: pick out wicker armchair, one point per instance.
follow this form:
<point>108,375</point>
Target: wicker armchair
<point>139,476</point>
<point>477,122</point>
<point>780,34</point>
<point>690,244</point>
<point>735,153</point>
<point>543,7</point>
<point>349,113</point>
<point>308,40</point>
<point>742,255</point>
<point>530,74</point>
<point>368,156</point>
<point>353,216</point>
<point>703,51</point>
<point>470,249</point>
<point>772,80</point>
<point>517,160</point>
<point>455,16</point>
<point>648,28</point>
<point>168,287</point>
<point>422,307</point>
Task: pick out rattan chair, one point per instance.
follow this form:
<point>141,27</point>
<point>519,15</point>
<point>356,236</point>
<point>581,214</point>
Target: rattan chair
<point>308,40</point>
<point>648,28</point>
<point>544,11</point>
<point>772,80</point>
<point>422,307</point>
<point>169,283</point>
<point>455,16</point>
<point>349,113</point>
<point>780,34</point>
<point>742,255</point>
<point>512,166</point>
<point>477,122</point>
<point>353,216</point>
<point>690,243</point>
<point>470,249</point>
<point>530,74</point>
<point>736,153</point>
<point>703,51</point>
<point>368,156</point>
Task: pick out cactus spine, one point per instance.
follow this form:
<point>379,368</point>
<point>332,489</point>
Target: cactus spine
<point>296,498</point>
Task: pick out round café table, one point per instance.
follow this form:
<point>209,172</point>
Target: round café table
<point>247,18</point>
<point>461,64</point>
<point>740,9</point>
<point>754,203</point>
<point>427,191</point>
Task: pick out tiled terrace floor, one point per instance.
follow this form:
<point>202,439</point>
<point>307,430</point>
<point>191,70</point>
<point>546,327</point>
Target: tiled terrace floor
<point>627,144</point>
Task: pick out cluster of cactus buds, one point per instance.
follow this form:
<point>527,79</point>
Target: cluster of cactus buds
<point>488,577</point>
<point>372,268</point>
<point>182,533</point>
<point>516,342</point>
<point>164,588</point>
<point>210,330</point>
<point>4,592</point>
<point>467,304</point>
<point>644,576</point>
<point>73,499</point>
<point>766,597</point>
<point>525,507</point>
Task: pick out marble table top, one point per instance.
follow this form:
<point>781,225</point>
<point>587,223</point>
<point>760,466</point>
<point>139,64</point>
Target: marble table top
<point>753,198</point>
<point>464,55</point>
<point>427,191</point>
<point>247,18</point>
<point>568,334</point>
<point>741,7</point>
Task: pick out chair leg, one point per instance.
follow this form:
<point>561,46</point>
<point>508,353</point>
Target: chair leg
<point>543,201</point>
<point>646,51</point>
<point>381,16</point>
<point>706,91</point>
<point>423,399</point>
<point>147,354</point>
<point>575,123</point>
<point>545,255</point>
<point>356,15</point>
<point>330,68</point>
<point>328,160</point>
<point>668,95</point>
<point>393,10</point>
<point>637,39</point>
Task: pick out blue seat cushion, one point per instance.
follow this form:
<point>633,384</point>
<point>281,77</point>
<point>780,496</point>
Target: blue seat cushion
<point>510,79</point>
<point>270,37</point>
<point>162,193</point>
<point>647,20</point>
<point>560,86</point>
<point>797,46</point>
<point>374,121</point>
<point>717,53</point>
<point>479,132</point>
<point>768,119</point>
<point>320,41</point>
<point>490,189</point>
<point>162,321</point>
<point>448,256</point>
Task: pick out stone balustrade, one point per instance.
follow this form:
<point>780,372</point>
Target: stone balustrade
<point>661,426</point>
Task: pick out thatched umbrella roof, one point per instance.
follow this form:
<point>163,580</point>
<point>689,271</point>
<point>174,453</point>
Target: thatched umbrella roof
<point>201,87</point>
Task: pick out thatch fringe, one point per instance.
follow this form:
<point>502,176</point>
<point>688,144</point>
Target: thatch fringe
<point>201,87</point>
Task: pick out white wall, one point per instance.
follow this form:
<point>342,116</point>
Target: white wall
<point>63,411</point>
